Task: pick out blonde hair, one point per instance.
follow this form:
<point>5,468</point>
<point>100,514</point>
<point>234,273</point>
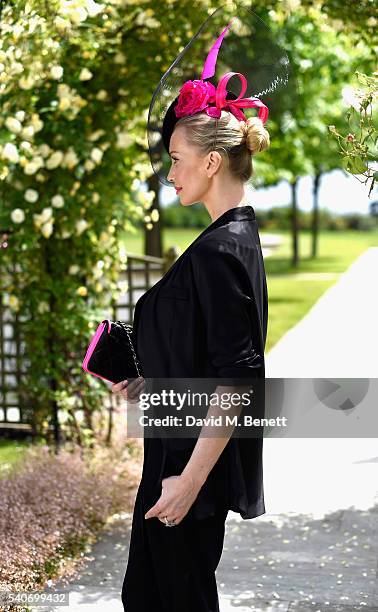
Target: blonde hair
<point>236,141</point>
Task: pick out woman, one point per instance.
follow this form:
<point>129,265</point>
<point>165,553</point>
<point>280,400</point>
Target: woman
<point>174,569</point>
<point>206,319</point>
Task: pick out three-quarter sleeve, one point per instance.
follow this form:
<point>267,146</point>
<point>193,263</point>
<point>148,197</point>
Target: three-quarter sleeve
<point>227,304</point>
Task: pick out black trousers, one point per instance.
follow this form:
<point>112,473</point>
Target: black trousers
<point>172,569</point>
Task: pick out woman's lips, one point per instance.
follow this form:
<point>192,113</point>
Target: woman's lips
<point>178,189</point>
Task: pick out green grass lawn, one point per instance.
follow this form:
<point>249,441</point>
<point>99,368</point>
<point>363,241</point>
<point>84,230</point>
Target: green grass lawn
<point>290,297</point>
<point>11,454</point>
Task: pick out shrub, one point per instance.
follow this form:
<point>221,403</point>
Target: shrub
<point>54,505</point>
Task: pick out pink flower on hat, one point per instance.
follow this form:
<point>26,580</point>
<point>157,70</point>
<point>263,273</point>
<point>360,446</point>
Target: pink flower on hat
<point>194,97</point>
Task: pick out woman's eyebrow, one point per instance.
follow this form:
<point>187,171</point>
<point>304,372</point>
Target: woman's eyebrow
<point>170,152</point>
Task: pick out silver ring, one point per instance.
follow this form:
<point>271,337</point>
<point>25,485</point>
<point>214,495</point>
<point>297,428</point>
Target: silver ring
<point>169,523</point>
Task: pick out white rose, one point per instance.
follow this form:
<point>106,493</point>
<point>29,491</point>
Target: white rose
<point>54,160</point>
<point>37,125</point>
<point>63,89</point>
<point>47,229</point>
<point>146,198</point>
<point>17,30</point>
<point>20,115</point>
<point>93,8</point>
<point>78,15</point>
<point>30,168</point>
<point>122,254</point>
<point>25,145</point>
<point>74,269</point>
<point>31,195</point>
<point>56,72</point>
<point>119,58</point>
<point>46,214</point>
<point>81,226</point>
<point>64,103</point>
<point>85,75</point>
<point>17,215</point>
<point>16,68</point>
<point>350,97</point>
<point>10,152</point>
<point>57,201</point>
<point>97,273</point>
<point>89,165</point>
<point>96,155</point>
<point>124,140</point>
<point>61,24</point>
<point>135,184</point>
<point>34,165</point>
<point>13,302</point>
<point>28,132</point>
<point>13,125</point>
<point>43,307</point>
<point>44,149</point>
<point>70,159</point>
<point>37,219</point>
<point>102,94</point>
<point>154,215</point>
<point>123,286</point>
<point>96,135</point>
<point>26,82</point>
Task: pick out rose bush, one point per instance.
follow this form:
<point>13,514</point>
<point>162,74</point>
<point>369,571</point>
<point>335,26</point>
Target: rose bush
<point>72,159</point>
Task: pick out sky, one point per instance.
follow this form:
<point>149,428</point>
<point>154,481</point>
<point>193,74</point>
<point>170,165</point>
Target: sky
<point>338,192</point>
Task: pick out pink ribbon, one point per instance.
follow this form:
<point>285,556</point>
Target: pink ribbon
<point>234,106</point>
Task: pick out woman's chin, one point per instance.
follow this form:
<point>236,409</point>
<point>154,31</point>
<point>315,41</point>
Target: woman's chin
<point>185,202</point>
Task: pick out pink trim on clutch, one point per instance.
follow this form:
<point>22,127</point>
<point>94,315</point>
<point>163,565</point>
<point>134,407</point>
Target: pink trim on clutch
<point>92,347</point>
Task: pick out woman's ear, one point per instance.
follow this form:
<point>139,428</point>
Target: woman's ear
<point>213,163</point>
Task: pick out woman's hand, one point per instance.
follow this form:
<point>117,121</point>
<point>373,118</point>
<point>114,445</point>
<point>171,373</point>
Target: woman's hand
<point>129,391</point>
<point>177,496</point>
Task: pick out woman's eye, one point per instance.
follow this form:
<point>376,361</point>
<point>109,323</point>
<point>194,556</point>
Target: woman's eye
<point>174,159</point>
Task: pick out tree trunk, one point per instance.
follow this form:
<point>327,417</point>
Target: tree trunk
<point>152,238</point>
<point>108,440</point>
<point>49,258</point>
<point>294,222</point>
<point>315,215</point>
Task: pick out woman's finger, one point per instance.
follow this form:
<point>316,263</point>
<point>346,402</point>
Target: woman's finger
<point>136,382</point>
<point>117,387</point>
<point>135,388</point>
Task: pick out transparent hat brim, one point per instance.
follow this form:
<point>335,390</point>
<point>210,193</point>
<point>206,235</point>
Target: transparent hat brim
<point>249,47</point>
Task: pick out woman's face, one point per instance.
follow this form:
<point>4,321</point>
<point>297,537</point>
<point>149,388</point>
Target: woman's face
<point>189,170</point>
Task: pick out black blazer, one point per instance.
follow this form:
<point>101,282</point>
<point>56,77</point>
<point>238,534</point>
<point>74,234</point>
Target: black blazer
<point>207,318</point>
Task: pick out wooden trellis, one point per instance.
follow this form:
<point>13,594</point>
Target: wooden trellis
<point>142,272</point>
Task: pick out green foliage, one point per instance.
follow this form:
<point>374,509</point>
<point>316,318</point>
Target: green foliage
<point>358,147</point>
<point>279,218</point>
<point>185,216</point>
<point>63,147</point>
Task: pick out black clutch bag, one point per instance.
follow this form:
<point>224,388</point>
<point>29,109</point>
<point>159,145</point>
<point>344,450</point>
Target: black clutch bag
<point>111,354</point>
